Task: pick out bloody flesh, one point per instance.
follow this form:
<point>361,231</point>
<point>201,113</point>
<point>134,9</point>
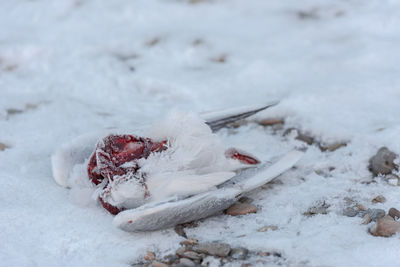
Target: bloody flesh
<point>242,156</point>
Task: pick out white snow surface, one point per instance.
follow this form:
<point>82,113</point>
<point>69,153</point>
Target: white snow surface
<point>70,67</point>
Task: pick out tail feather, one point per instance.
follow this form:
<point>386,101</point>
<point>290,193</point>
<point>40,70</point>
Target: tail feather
<point>220,119</point>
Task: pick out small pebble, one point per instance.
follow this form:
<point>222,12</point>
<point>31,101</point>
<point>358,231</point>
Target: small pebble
<point>3,147</point>
<point>376,214</point>
<point>150,256</point>
<point>241,209</point>
<point>14,111</point>
<point>348,200</point>
<point>332,147</point>
<point>336,146</point>
<point>171,258</point>
<point>394,213</point>
<point>153,41</point>
<point>319,208</point>
<point>300,136</point>
<point>386,227</point>
<point>31,106</point>
<point>184,262</point>
<point>270,122</point>
<point>189,242</point>
<point>192,255</point>
<point>239,253</point>
<point>264,253</point>
<point>350,211</point>
<point>379,199</point>
<point>383,162</point>
<point>268,227</point>
<point>361,207</point>
<point>220,59</point>
<point>305,138</point>
<point>180,251</point>
<point>180,230</point>
<point>158,264</point>
<point>214,249</point>
<point>366,219</point>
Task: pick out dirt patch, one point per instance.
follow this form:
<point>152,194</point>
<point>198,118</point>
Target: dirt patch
<point>4,146</point>
<point>220,59</point>
<point>28,107</point>
<point>153,42</point>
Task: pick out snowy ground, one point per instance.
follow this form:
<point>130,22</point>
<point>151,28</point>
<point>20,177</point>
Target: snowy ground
<point>68,67</point>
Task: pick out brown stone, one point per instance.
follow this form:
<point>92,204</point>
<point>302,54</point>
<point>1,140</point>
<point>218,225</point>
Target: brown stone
<point>197,42</point>
<point>361,207</point>
<point>30,106</point>
<point>189,242</point>
<point>180,230</point>
<point>192,255</point>
<point>215,249</point>
<point>180,251</point>
<point>14,111</point>
<point>305,138</point>
<point>158,264</point>
<point>383,162</point>
<point>241,209</point>
<point>220,59</point>
<point>366,219</point>
<point>268,228</point>
<point>300,136</point>
<point>264,253</point>
<point>150,256</point>
<point>153,42</point>
<point>318,208</point>
<point>386,227</point>
<point>379,199</point>
<point>184,262</point>
<point>3,146</point>
<point>171,258</point>
<point>332,147</point>
<point>271,122</point>
<point>394,213</point>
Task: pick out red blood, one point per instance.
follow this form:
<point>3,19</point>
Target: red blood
<point>112,152</point>
<point>115,150</point>
<point>93,171</point>
<point>242,156</point>
<point>111,209</point>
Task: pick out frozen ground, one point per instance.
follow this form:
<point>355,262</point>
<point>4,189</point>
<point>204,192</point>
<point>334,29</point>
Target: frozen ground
<point>72,66</point>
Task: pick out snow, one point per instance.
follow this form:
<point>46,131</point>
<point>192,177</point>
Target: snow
<point>78,66</point>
